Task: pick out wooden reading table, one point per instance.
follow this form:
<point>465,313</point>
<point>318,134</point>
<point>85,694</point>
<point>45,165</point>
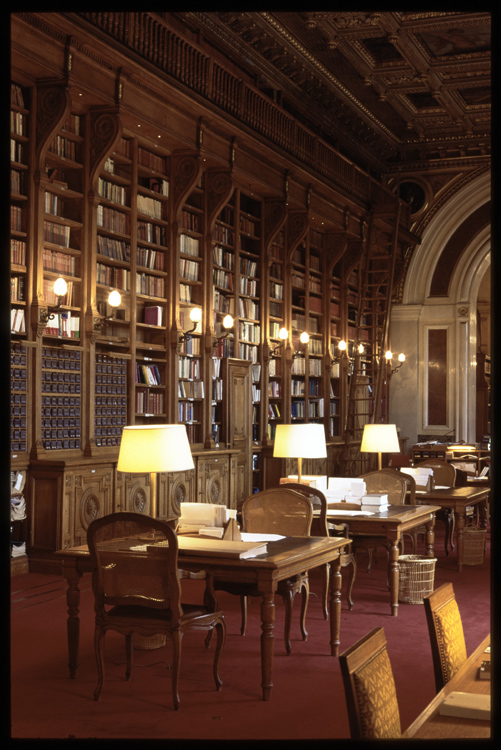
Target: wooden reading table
<point>431,725</point>
<point>284,558</point>
<point>458,498</point>
<point>391,525</point>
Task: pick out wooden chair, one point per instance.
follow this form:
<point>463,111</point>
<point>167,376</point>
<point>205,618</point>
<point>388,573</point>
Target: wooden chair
<point>275,511</point>
<point>444,475</point>
<point>386,481</point>
<point>446,633</point>
<point>321,527</point>
<point>370,690</point>
<point>141,593</point>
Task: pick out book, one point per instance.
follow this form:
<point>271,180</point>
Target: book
<point>153,315</point>
<point>375,498</point>
<point>466,705</point>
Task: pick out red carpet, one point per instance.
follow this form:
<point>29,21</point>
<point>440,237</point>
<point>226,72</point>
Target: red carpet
<point>307,698</point>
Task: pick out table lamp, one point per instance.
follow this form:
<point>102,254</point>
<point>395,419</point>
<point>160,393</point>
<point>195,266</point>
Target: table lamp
<point>300,441</point>
<point>380,438</point>
<point>153,448</point>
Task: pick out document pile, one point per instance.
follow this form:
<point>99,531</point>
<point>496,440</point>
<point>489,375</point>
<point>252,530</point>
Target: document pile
<point>312,480</point>
<point>422,476</point>
<point>202,518</point>
<point>342,490</point>
<point>375,502</point>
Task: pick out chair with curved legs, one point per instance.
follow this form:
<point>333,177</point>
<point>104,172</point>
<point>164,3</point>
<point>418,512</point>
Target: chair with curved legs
<point>383,481</point>
<point>369,687</point>
<point>321,527</point>
<point>275,511</point>
<point>444,475</point>
<point>137,591</point>
<point>446,633</point>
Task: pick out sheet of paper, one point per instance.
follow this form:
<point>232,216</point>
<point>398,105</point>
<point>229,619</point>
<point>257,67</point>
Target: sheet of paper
<point>246,537</point>
<point>344,513</point>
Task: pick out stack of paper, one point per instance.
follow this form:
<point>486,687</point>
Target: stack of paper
<point>423,477</point>
<point>375,502</point>
<point>196,516</point>
<point>345,489</point>
<point>319,482</point>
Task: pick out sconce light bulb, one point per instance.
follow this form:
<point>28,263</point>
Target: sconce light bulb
<point>196,315</point>
<point>388,355</point>
<point>283,334</point>
<point>114,298</point>
<point>304,338</point>
<point>227,322</point>
<point>342,346</point>
<point>360,348</point>
<point>401,357</point>
<point>60,287</point>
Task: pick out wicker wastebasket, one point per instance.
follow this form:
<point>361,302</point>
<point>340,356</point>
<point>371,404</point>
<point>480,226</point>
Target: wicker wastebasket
<point>473,545</point>
<point>416,578</point>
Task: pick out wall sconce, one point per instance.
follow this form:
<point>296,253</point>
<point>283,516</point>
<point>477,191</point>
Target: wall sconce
<point>195,317</point>
<point>284,335</point>
<point>114,300</point>
<point>227,325</point>
<point>342,346</point>
<point>304,338</point>
<point>389,356</point>
<point>60,289</point>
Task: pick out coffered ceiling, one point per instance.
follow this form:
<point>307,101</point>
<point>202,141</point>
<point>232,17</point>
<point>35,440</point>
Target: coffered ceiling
<point>393,91</point>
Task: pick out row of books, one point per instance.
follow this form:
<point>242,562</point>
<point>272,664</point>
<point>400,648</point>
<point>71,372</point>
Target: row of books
<point>248,286</point>
<point>191,346</point>
<point>248,352</point>
<point>113,276</point>
<point>152,286</point>
<point>114,193</point>
<point>16,182</point>
<point>113,221</point>
<point>224,348</point>
<point>18,252</point>
<point>188,411</point>
<point>16,218</point>
<point>316,409</point>
<point>150,160</point>
<point>256,394</point>
<point>222,279</point>
<point>223,257</point>
<point>273,411</point>
<point>190,220</point>
<point>64,324</point>
<point>248,267</point>
<point>189,245</point>
<point>149,206</point>
<point>17,321</point>
<point>297,388</point>
<point>148,374</point>
<point>184,293</point>
<point>248,226</point>
<point>189,367</point>
<point>217,390</point>
<point>249,332</point>
<point>154,233</point>
<point>59,262</point>
<point>17,289</point>
<point>276,291</point>
<point>155,184</point>
<point>16,95</point>
<point>277,270</point>
<point>65,148</point>
<point>114,249</point>
<point>191,389</point>
<point>18,122</point>
<point>247,308</point>
<point>274,389</point>
<point>222,303</point>
<point>57,234</point>
<point>149,402</point>
<point>224,235</point>
<point>189,269</point>
<point>152,259</point>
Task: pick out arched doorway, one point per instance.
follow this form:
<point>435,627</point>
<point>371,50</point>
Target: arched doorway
<point>434,396</point>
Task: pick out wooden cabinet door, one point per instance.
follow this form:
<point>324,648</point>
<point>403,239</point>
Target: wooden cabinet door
<point>238,422</point>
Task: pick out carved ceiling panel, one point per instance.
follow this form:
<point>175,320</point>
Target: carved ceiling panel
<point>386,88</point>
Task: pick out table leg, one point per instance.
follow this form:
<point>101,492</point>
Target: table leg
<point>393,553</point>
<point>483,513</point>
<point>73,577</point>
<point>430,537</point>
<point>460,524</point>
<point>267,642</point>
<point>335,582</point>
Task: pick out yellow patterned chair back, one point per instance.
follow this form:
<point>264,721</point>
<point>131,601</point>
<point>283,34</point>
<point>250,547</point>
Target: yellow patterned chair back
<point>370,691</point>
<point>446,634</point>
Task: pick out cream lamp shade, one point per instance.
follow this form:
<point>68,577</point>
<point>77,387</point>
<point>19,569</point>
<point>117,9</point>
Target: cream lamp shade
<point>299,441</point>
<point>154,448</point>
<point>380,438</point>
